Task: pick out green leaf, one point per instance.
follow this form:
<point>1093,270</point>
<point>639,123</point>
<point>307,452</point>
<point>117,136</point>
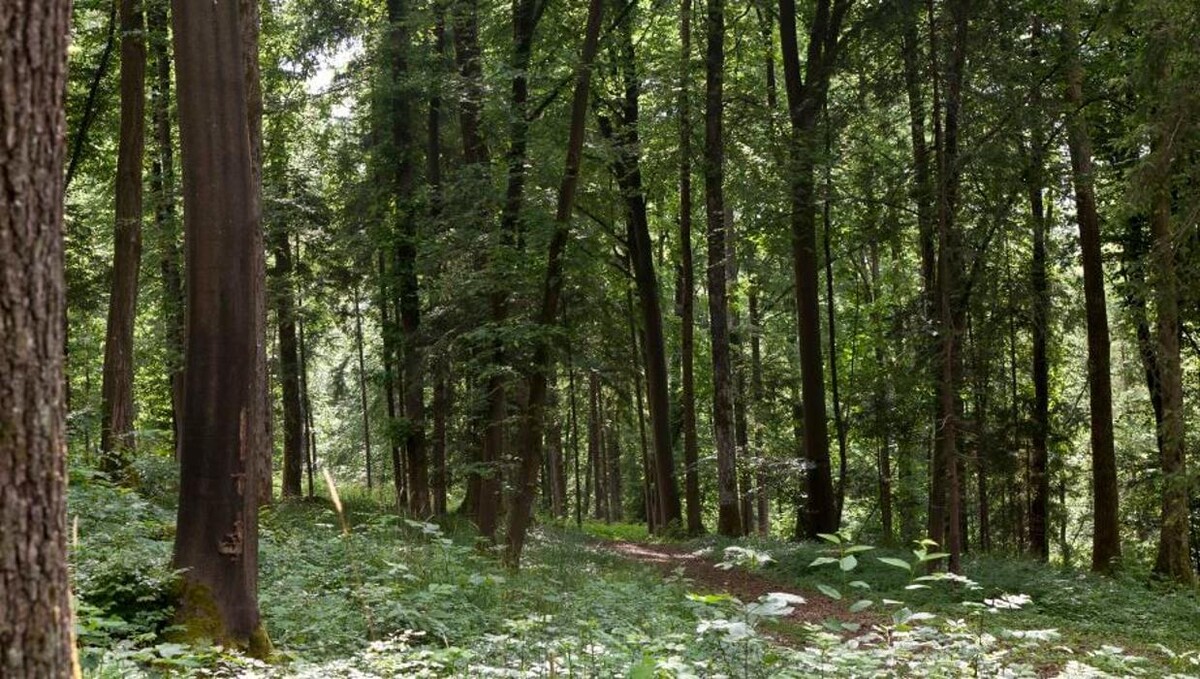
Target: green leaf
<point>646,669</point>
<point>857,549</point>
<point>829,591</point>
<point>934,556</point>
<point>859,584</point>
<point>830,537</point>
<point>861,605</point>
<point>898,563</point>
<point>848,563</point>
<point>821,561</point>
<point>170,650</point>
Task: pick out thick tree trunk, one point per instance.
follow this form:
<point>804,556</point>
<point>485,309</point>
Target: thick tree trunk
<point>36,633</point>
<point>806,98</point>
<point>289,363</point>
<point>1106,534</point>
<point>1039,509</point>
<point>162,187</point>
<point>728,517</point>
<point>543,358</point>
<point>116,427</point>
<point>687,281</point>
<point>216,541</point>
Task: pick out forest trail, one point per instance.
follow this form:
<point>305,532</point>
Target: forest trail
<point>745,585</point>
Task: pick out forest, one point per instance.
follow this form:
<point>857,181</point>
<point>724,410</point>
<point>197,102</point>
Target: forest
<point>599,338</point>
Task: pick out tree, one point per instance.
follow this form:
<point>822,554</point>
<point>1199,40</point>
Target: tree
<point>1106,536</point>
<point>728,520</point>
<point>533,417</point>
<point>116,432</point>
<point>687,280</point>
<point>806,99</point>
<point>36,634</point>
<point>1039,509</point>
<point>216,541</point>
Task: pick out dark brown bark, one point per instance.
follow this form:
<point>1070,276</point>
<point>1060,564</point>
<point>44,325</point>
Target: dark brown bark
<point>1039,508</point>
<point>741,395</point>
<point>216,539</point>
<point>1106,535</point>
<point>264,444</point>
<point>687,281</point>
<point>116,427</point>
<point>163,188</point>
<point>405,255</point>
<point>806,98</point>
<point>580,493</point>
<point>627,168</point>
<point>289,362</point>
<point>945,504</point>
<point>534,415</point>
<point>310,433</point>
<point>728,516</point>
<point>36,632</point>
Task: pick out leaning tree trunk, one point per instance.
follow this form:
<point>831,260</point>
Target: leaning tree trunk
<point>1106,534</point>
<point>728,518</point>
<point>543,357</point>
<point>34,591</point>
<point>627,167</point>
<point>116,427</point>
<point>216,540</point>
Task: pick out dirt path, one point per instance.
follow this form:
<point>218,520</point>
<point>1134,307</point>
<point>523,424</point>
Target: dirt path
<point>737,582</point>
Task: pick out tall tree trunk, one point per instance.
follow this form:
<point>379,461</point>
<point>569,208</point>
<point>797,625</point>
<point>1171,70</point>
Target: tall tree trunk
<point>442,397</point>
<point>388,330</point>
<point>616,487</point>
<point>1039,510</point>
<point>763,509</point>
<point>264,443</point>
<point>405,255</point>
<point>116,427</point>
<point>1174,553</point>
<point>1106,534</point>
<point>945,514</point>
<point>289,362</point>
<point>687,281</point>
<point>806,98</point>
<point>627,168</point>
<point>741,395</point>
<point>36,634</point>
<point>162,187</point>
<point>922,195</point>
<point>309,449</point>
<point>728,517</point>
<point>839,422</point>
<point>883,398</point>
<point>216,540</point>
<point>362,395</point>
<point>535,404</point>
<point>595,465</point>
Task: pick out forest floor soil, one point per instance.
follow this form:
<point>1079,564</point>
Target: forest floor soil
<point>746,586</point>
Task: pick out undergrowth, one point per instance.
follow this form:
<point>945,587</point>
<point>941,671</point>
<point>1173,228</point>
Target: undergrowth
<point>396,597</point>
